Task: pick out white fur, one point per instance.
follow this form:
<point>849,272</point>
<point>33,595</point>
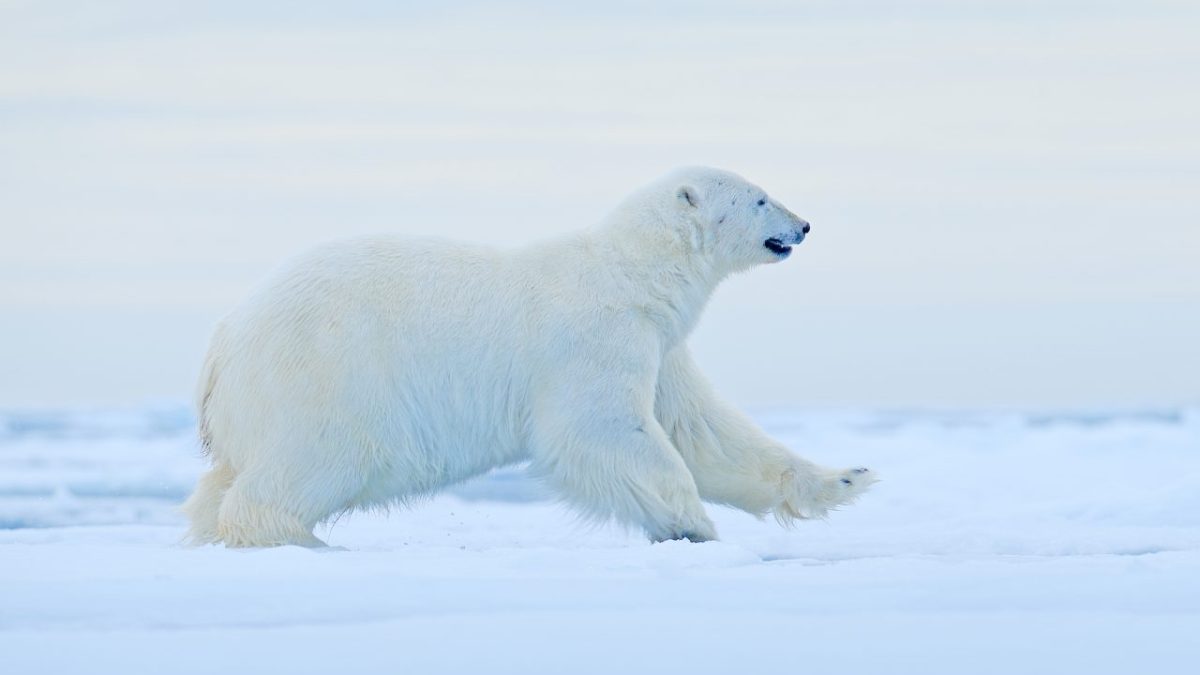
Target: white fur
<point>374,370</point>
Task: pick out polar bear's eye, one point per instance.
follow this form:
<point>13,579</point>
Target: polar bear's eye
<point>762,201</point>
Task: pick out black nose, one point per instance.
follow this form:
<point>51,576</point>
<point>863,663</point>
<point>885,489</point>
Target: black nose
<point>806,228</point>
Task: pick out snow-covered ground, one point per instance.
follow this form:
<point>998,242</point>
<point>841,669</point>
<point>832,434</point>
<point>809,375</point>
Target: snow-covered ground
<point>996,542</point>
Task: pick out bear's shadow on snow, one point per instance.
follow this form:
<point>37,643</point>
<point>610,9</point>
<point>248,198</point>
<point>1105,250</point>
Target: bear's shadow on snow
<point>511,484</point>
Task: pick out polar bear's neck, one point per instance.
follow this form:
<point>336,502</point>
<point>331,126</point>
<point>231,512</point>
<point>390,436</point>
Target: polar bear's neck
<point>659,267</point>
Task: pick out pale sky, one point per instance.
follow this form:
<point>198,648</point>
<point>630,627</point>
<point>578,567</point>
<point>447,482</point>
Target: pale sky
<point>1005,196</point>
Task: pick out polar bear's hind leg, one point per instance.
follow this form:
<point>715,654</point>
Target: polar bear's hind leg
<point>280,503</point>
<point>247,522</point>
<point>204,505</point>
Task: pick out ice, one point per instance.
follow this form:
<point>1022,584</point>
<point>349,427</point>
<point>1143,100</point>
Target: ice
<point>1051,542</point>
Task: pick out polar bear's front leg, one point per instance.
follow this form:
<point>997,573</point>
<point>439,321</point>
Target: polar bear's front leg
<point>736,463</point>
<point>600,447</point>
<point>625,471</point>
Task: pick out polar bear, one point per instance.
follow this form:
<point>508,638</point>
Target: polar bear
<point>379,369</point>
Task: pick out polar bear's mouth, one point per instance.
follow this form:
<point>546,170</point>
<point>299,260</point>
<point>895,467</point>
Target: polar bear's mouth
<point>777,247</point>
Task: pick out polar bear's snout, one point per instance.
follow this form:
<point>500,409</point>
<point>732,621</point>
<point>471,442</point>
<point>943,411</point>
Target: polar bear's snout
<point>802,229</point>
<point>782,244</point>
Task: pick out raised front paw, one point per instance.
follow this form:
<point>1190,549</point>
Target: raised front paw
<point>813,494</point>
<point>850,483</point>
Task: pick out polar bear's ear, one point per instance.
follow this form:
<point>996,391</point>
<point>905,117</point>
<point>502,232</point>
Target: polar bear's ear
<point>688,195</point>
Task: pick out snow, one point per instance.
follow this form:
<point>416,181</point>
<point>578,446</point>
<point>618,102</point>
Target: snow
<point>996,542</point>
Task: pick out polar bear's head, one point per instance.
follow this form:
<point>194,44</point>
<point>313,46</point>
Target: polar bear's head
<point>736,221</point>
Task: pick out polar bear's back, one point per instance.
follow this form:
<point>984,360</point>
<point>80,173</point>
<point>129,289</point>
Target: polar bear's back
<point>393,353</point>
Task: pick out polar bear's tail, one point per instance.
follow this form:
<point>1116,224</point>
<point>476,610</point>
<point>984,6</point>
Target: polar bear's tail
<point>208,381</point>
